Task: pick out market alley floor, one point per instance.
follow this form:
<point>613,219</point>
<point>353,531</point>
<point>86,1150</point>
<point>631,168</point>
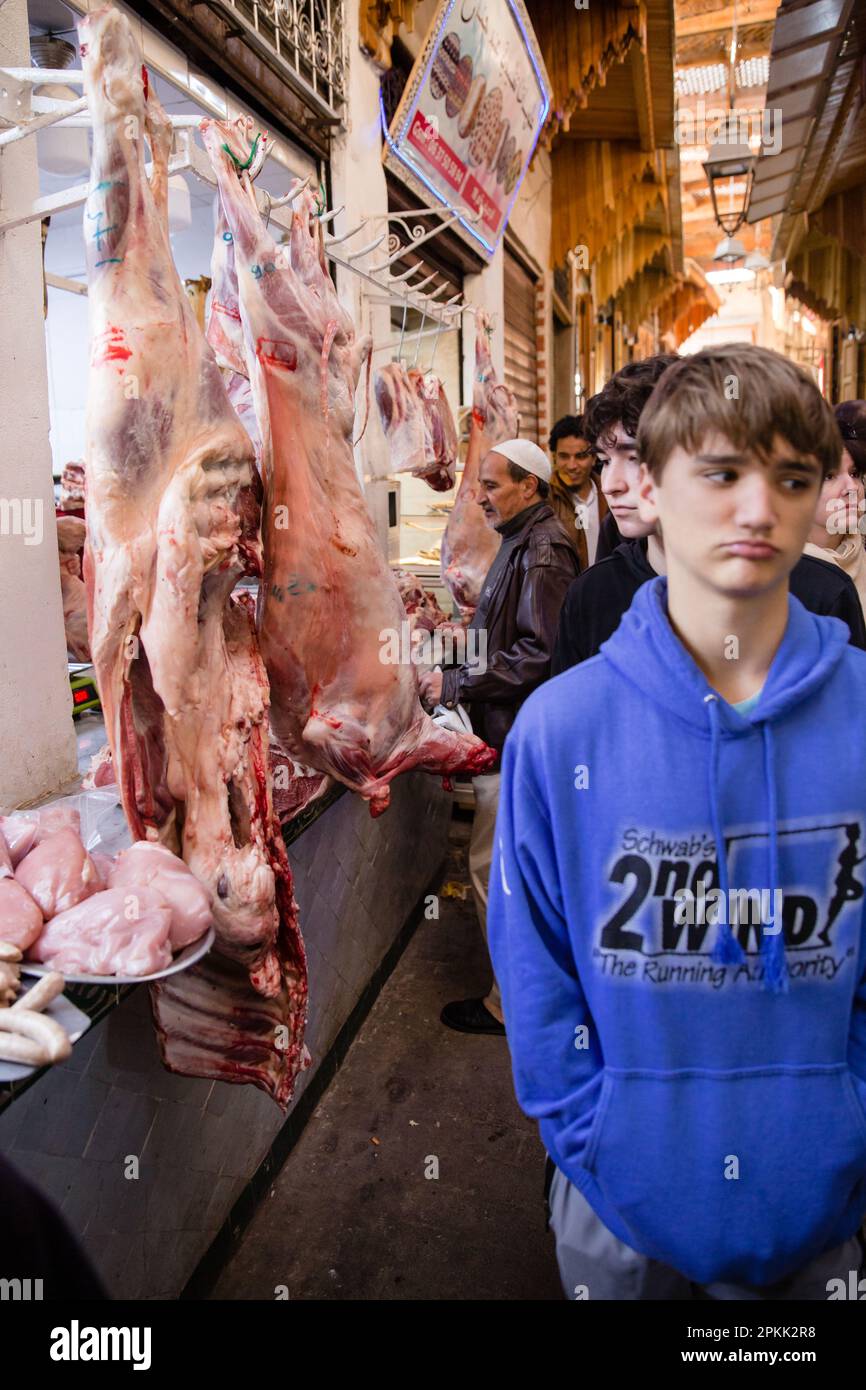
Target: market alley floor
<point>353,1213</point>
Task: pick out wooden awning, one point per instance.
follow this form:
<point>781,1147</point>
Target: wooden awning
<point>644,293</point>
<point>829,279</point>
<point>379,22</point>
<point>844,217</point>
<point>683,311</point>
<point>626,258</point>
<point>579,46</point>
<point>611,135</point>
<point>682,301</point>
<point>600,189</point>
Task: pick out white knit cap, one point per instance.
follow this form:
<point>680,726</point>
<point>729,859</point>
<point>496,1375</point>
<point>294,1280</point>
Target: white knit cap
<point>526,455</point>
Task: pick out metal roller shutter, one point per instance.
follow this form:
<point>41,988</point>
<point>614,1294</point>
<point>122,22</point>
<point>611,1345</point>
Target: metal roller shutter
<point>521,358</point>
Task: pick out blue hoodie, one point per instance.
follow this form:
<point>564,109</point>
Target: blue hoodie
<point>703,1084</point>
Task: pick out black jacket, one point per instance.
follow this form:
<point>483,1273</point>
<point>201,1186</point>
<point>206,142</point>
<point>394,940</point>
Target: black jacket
<point>519,610</point>
<point>598,598</point>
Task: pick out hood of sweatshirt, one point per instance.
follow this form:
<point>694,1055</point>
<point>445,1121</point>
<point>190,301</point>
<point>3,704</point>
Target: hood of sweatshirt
<point>647,653</point>
<point>700,1074</point>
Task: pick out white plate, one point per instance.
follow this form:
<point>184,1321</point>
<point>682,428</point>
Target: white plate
<point>182,961</point>
<point>63,1012</point>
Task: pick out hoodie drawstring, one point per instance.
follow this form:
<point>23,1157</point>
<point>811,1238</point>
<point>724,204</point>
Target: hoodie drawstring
<point>772,946</point>
<point>727,950</point>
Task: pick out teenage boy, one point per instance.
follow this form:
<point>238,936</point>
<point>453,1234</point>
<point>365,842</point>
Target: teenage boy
<point>598,598</point>
<point>611,423</point>
<point>575,496</point>
<point>698,1067</point>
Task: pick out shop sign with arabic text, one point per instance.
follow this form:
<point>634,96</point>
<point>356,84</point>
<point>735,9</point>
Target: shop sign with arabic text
<point>473,109</point>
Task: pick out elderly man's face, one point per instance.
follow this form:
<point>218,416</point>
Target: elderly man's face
<point>499,496</point>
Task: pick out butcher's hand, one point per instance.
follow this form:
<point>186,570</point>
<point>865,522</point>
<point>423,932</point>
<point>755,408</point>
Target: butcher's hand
<point>430,688</point>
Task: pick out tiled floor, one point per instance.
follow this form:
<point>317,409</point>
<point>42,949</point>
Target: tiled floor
<point>353,1214</point>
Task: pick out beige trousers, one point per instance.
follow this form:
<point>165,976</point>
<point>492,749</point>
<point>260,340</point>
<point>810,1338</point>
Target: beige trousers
<point>481,857</point>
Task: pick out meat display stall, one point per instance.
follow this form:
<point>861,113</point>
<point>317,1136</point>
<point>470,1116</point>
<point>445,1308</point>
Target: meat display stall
<point>186,676</point>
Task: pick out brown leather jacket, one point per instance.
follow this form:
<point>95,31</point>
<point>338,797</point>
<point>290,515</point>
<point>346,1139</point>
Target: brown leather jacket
<point>562,502</point>
<point>520,616</point>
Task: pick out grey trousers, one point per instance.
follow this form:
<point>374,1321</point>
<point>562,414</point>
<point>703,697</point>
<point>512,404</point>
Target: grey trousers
<point>595,1264</point>
<point>481,848</point>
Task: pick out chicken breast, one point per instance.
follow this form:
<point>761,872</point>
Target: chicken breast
<point>24,829</point>
<point>115,932</point>
<point>21,920</point>
<point>6,866</point>
<point>152,866</point>
<point>58,873</point>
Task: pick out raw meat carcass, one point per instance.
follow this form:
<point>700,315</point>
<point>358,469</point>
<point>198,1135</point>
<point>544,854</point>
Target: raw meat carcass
<point>167,878</point>
<point>295,787</point>
<point>71,532</point>
<point>116,932</point>
<point>197,292</point>
<point>327,593</point>
<point>224,331</point>
<point>418,425</point>
<point>59,873</point>
<point>101,770</point>
<point>469,545</point>
<point>172,513</point>
<point>440,432</point>
<point>72,487</point>
<point>402,418</point>
<point>420,604</point>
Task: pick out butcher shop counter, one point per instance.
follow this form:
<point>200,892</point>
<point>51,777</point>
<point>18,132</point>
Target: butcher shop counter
<point>206,1151</point>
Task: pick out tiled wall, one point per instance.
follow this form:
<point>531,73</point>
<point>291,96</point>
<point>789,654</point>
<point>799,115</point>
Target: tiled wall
<point>198,1142</point>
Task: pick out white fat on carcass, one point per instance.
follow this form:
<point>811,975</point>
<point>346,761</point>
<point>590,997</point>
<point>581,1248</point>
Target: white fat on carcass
<point>145,865</point>
<point>121,931</point>
<point>21,919</point>
<point>59,872</point>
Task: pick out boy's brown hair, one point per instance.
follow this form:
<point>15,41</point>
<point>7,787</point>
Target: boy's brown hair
<point>748,394</point>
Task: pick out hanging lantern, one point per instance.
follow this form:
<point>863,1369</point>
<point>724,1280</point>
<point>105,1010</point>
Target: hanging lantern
<point>725,163</point>
<point>729,250</point>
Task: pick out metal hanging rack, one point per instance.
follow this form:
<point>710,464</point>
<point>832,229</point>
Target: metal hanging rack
<point>415,288</point>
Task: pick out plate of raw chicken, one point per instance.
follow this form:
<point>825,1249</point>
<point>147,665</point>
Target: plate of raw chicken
<point>100,919</point>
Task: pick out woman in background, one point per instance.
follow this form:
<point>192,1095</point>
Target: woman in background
<point>837,534</point>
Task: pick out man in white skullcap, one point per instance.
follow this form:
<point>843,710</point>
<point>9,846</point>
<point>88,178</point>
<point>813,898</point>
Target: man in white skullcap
<point>518,611</point>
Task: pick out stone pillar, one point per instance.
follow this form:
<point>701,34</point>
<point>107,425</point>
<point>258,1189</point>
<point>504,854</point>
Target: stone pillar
<point>38,741</point>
